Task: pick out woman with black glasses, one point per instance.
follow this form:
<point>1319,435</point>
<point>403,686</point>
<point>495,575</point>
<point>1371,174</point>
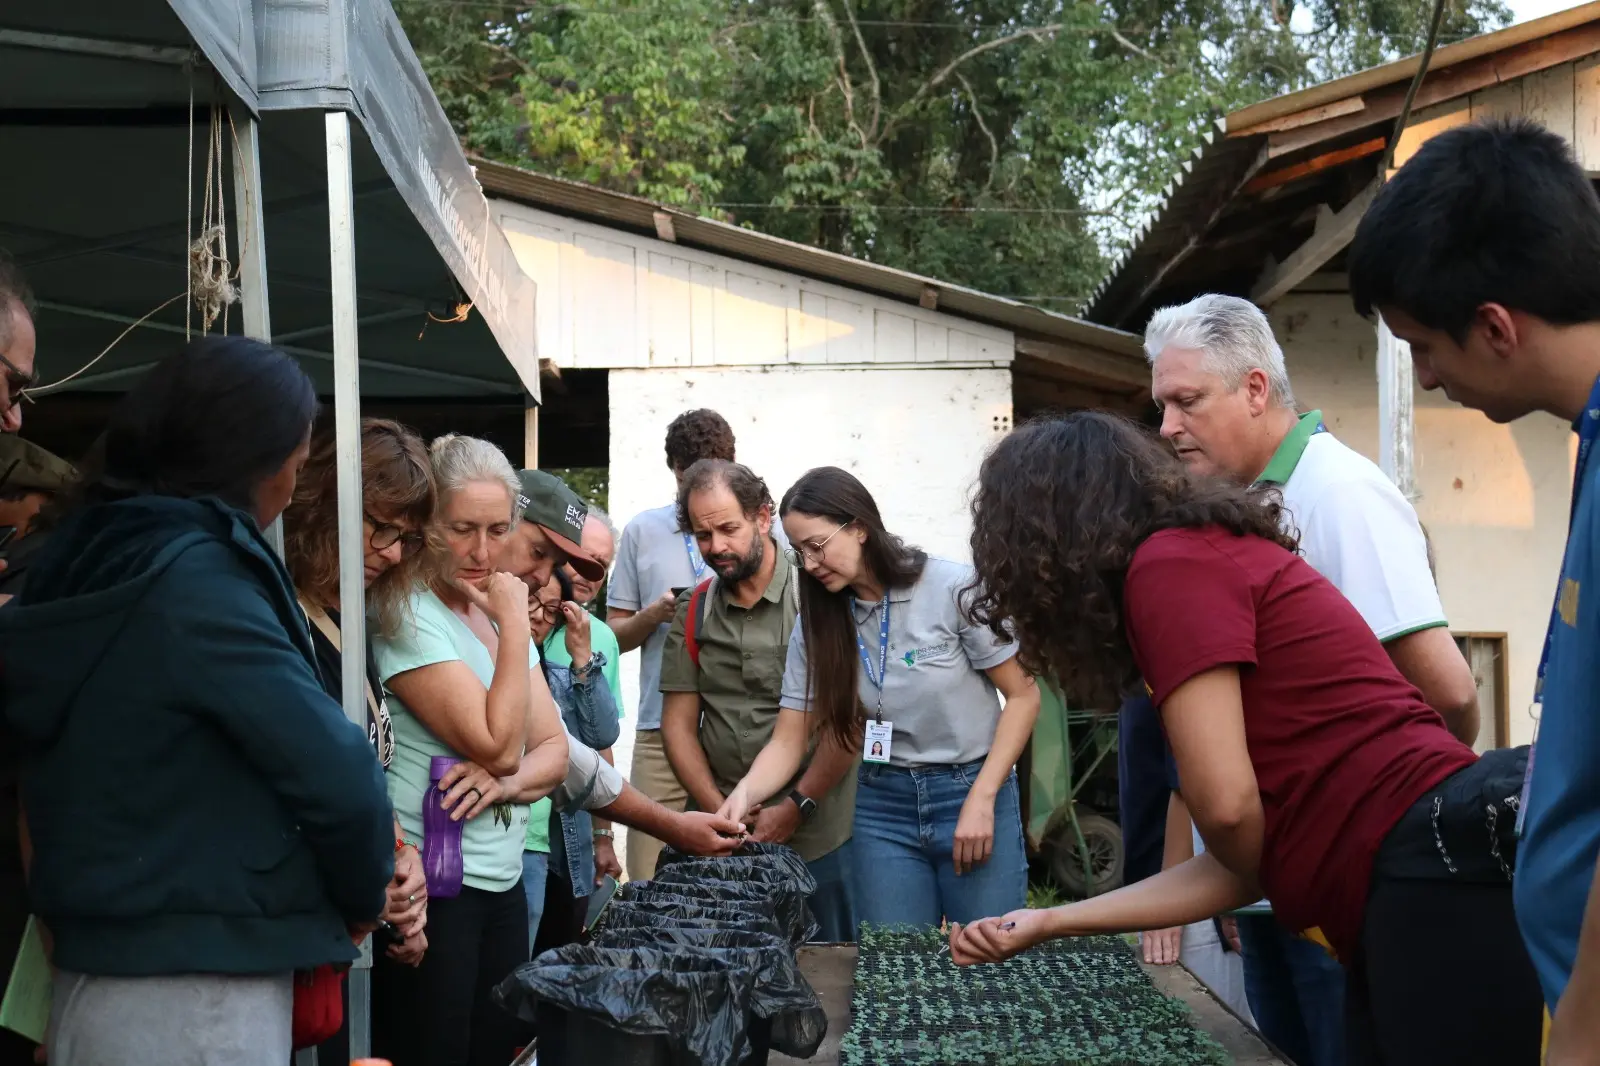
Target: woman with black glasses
<point>397,502</point>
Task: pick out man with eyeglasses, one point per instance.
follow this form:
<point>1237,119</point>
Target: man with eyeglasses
<point>17,342</point>
<point>722,679</point>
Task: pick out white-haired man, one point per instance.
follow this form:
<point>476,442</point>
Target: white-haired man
<point>1218,376</point>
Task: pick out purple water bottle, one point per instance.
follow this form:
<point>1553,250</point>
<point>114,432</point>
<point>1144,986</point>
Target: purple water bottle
<point>441,837</point>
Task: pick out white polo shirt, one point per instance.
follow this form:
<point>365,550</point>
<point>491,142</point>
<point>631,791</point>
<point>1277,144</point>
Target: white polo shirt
<point>1356,529</point>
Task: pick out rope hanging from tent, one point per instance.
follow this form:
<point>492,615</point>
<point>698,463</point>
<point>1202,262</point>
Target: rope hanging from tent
<point>1411,91</point>
<point>210,275</point>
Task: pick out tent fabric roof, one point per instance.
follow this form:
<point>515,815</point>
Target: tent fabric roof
<point>1256,186</point>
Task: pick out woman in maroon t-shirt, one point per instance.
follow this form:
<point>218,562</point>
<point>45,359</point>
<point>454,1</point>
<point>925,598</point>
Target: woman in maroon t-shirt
<point>1316,774</point>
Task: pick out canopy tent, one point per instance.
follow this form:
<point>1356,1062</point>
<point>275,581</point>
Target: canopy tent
<point>344,237</point>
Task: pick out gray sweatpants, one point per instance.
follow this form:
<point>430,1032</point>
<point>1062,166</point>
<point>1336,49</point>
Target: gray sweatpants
<point>195,1020</point>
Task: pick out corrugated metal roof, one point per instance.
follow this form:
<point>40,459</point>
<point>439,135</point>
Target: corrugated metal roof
<point>631,212</point>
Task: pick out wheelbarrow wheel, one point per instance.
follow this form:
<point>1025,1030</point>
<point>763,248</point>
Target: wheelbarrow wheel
<point>1102,837</point>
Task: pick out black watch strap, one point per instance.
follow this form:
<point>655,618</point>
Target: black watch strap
<point>807,805</point>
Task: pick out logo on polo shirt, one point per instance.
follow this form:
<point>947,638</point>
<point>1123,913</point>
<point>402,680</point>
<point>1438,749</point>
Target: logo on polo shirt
<point>918,655</point>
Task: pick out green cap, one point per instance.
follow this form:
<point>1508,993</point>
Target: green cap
<point>27,467</point>
<point>546,501</point>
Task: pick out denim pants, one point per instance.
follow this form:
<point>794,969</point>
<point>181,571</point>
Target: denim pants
<point>535,866</point>
<point>905,827</point>
<point>833,903</point>
<point>1296,992</point>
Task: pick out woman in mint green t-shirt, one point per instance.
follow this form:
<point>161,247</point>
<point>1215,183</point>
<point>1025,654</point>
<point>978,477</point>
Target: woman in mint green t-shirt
<point>464,682</point>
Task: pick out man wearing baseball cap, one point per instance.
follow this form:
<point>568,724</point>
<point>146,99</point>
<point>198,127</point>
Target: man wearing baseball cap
<point>550,533</point>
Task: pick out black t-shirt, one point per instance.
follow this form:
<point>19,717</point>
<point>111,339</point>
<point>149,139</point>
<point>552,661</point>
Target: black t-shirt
<point>1146,777</point>
<point>380,730</point>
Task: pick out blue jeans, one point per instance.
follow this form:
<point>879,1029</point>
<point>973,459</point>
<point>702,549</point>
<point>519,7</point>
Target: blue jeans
<point>1296,992</point>
<point>905,829</point>
<point>535,867</point>
<point>833,903</point>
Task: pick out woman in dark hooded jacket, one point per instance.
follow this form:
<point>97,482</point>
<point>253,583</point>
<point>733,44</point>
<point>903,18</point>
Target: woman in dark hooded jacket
<point>205,821</point>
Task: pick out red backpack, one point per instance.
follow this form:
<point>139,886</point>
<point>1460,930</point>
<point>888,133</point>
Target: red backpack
<point>696,619</point>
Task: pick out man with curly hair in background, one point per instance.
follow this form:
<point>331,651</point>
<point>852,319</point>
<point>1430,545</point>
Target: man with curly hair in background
<point>653,559</point>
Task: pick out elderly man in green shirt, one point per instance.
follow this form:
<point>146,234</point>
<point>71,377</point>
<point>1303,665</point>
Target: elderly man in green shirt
<point>718,712</point>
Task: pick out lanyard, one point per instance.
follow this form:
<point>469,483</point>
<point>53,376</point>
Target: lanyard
<point>1588,430</point>
<point>697,564</point>
<point>883,649</point>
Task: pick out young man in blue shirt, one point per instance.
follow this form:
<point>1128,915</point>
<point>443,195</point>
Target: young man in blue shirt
<point>1482,253</point>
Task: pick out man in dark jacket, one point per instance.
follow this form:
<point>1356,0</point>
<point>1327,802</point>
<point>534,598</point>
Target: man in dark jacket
<point>197,804</point>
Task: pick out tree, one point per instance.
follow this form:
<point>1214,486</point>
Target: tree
<point>1008,145</point>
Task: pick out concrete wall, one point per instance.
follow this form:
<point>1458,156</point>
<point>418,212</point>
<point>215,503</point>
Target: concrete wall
<point>1493,498</point>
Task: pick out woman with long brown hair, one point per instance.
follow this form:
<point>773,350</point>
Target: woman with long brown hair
<point>397,503</point>
<point>1314,771</point>
<point>886,662</point>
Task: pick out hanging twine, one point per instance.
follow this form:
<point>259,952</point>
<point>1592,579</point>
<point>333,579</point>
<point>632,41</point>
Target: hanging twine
<point>211,290</point>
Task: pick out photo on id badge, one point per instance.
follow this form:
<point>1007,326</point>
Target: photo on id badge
<point>876,746</point>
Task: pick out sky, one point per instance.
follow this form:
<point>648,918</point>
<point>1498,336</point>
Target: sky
<point>1523,10</point>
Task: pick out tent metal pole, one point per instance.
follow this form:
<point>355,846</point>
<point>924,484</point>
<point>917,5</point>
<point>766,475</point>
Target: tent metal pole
<point>251,238</point>
<point>347,431</point>
<point>1396,412</point>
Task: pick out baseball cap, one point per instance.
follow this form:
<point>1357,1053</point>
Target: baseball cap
<point>31,468</point>
<point>546,501</point>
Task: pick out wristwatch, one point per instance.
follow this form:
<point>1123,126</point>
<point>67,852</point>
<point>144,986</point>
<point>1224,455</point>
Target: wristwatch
<point>607,833</point>
<point>807,805</point>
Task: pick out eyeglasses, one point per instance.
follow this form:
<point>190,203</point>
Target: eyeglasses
<point>549,610</point>
<point>17,382</point>
<point>799,555</point>
<point>386,534</point>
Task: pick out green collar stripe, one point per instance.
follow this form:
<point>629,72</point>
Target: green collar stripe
<point>1287,457</point>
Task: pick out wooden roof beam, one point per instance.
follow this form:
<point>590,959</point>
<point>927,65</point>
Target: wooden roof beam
<point>1084,366</point>
<point>1333,232</point>
<point>1384,104</point>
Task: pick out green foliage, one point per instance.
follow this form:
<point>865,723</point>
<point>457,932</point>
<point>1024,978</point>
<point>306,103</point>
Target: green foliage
<point>1002,144</point>
<point>591,483</point>
<point>1082,1002</point>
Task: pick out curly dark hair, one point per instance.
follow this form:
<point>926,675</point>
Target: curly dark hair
<point>696,435</point>
<point>1061,506</point>
<point>748,490</point>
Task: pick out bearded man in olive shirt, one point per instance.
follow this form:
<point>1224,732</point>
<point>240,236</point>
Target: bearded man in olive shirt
<point>718,714</point>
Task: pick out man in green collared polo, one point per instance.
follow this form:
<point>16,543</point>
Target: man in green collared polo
<point>718,714</point>
<point>1218,375</point>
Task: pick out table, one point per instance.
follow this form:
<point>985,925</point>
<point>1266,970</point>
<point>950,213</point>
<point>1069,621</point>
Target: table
<point>831,970</point>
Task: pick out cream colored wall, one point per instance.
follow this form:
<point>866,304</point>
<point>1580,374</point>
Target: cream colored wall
<point>1493,498</point>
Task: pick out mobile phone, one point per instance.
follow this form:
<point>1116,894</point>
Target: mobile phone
<point>7,535</point>
<point>599,899</point>
<point>679,590</point>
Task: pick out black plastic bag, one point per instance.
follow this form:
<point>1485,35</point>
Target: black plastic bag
<point>656,914</point>
<point>755,853</point>
<point>786,871</point>
<point>702,999</point>
<point>782,992</point>
<point>793,915</point>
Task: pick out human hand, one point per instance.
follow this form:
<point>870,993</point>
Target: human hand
<point>502,597</point>
<point>737,806</point>
<point>409,951</point>
<point>698,833</point>
<point>1230,932</point>
<point>577,634</point>
<point>775,825</point>
<point>605,861</point>
<point>469,790</point>
<point>1162,946</point>
<point>662,610</point>
<point>997,939</point>
<point>974,841</point>
<point>407,908</point>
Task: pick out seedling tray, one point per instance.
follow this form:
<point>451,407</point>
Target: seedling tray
<point>1082,1002</point>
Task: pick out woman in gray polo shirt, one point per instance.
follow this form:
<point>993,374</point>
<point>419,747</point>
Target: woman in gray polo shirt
<point>886,664</point>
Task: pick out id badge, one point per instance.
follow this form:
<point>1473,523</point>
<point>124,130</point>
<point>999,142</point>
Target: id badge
<point>875,748</point>
<point>1527,779</point>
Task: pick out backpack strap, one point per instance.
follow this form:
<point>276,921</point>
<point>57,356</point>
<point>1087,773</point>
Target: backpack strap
<point>696,619</point>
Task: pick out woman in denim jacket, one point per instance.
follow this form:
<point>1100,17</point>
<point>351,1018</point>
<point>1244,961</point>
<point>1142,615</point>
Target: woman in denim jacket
<point>590,711</point>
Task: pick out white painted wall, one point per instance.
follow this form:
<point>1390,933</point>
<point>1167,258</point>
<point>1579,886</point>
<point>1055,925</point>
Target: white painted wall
<point>1493,498</point>
<point>612,299</point>
<point>915,437</point>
